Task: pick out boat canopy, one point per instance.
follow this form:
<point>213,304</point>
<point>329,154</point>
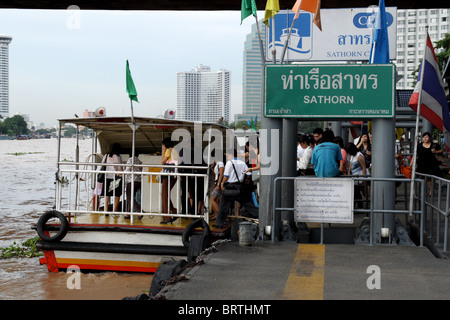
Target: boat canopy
<point>149,133</point>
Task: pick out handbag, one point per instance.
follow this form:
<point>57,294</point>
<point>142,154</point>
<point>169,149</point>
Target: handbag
<point>233,190</point>
<point>114,185</point>
<point>168,170</point>
<point>255,176</point>
<point>439,157</point>
<point>404,168</point>
<point>170,163</point>
<point>101,176</point>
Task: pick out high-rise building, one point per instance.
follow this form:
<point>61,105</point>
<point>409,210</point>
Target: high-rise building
<point>203,95</point>
<point>252,75</point>
<point>4,75</point>
<point>411,37</point>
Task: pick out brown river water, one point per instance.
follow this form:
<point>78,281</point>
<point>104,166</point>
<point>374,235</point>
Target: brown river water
<point>27,174</point>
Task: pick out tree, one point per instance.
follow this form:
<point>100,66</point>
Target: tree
<point>442,56</point>
<point>14,126</point>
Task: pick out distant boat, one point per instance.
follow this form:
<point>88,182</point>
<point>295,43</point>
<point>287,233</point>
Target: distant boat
<point>22,137</point>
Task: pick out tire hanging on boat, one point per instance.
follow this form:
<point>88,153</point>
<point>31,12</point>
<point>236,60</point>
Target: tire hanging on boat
<point>40,227</point>
<point>196,243</point>
<point>189,230</point>
<point>165,271</point>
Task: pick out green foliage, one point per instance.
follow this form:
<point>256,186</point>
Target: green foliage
<point>442,56</point>
<point>14,126</point>
<point>26,250</point>
<point>22,153</point>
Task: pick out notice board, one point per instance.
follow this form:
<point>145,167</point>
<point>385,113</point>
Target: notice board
<point>327,200</point>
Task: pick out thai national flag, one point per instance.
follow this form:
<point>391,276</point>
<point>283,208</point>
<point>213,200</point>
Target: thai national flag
<point>429,89</point>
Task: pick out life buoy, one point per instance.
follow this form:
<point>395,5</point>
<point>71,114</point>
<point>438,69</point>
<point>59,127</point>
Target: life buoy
<point>62,230</point>
<point>189,230</point>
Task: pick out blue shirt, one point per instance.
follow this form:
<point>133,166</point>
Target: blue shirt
<point>326,157</point>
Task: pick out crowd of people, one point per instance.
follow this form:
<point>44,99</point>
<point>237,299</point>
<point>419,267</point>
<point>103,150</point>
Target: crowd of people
<point>233,176</point>
<point>324,155</point>
<point>227,169</point>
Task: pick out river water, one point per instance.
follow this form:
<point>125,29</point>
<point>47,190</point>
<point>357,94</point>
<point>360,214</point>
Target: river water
<point>27,174</point>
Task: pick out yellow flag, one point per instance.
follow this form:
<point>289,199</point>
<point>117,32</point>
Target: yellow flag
<point>272,8</point>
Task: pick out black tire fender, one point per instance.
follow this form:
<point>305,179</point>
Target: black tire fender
<point>164,272</point>
<point>40,227</point>
<point>189,230</point>
<point>197,245</point>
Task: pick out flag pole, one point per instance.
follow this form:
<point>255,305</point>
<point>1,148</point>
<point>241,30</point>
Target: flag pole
<point>260,41</point>
<point>289,35</point>
<point>416,135</point>
<point>132,162</point>
<point>274,51</point>
<point>287,41</point>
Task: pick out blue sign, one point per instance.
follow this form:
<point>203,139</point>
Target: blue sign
<point>367,19</point>
<point>300,40</point>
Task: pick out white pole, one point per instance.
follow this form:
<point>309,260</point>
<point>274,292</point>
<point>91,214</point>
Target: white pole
<point>260,41</point>
<point>419,102</point>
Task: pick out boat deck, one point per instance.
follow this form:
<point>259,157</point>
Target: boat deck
<point>147,221</point>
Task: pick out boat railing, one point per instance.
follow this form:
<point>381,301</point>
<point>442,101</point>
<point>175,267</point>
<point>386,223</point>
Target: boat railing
<point>79,190</point>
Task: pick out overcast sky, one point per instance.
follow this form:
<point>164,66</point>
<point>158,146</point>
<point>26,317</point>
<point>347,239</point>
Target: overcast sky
<point>65,61</point>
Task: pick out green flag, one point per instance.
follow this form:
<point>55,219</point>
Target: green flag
<point>131,89</point>
<point>248,7</point>
<point>253,124</point>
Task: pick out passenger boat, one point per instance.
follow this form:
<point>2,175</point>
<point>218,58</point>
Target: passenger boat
<point>80,232</point>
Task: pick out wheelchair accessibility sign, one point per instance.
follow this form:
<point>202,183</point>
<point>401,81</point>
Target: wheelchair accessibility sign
<point>300,40</point>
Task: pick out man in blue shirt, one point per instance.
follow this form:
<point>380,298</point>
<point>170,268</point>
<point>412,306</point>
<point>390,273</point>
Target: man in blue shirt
<point>326,156</point>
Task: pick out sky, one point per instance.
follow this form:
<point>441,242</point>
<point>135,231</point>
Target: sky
<point>65,61</point>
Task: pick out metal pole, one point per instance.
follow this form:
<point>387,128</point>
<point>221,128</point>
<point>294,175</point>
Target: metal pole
<point>133,126</point>
<point>270,126</point>
<point>58,180</point>
<point>446,218</point>
<point>77,160</point>
<point>260,43</point>
<point>419,102</point>
<point>288,169</point>
<point>383,164</point>
<point>287,41</point>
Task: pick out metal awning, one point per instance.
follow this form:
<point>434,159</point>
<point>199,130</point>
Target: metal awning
<point>149,134</point>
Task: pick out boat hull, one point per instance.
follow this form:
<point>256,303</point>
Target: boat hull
<point>106,248</point>
<point>123,248</point>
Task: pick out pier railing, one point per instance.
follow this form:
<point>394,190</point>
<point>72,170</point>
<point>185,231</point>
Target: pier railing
<point>79,190</point>
<point>417,213</point>
<point>437,209</point>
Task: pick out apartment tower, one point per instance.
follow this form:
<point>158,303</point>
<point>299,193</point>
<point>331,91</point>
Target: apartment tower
<point>4,75</point>
<point>203,95</point>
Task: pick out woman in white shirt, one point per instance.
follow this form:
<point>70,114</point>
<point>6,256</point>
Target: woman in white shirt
<point>216,190</point>
<point>113,180</point>
<point>357,167</point>
<point>136,181</point>
<point>306,168</point>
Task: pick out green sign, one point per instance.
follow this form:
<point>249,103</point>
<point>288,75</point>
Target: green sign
<point>330,91</point>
